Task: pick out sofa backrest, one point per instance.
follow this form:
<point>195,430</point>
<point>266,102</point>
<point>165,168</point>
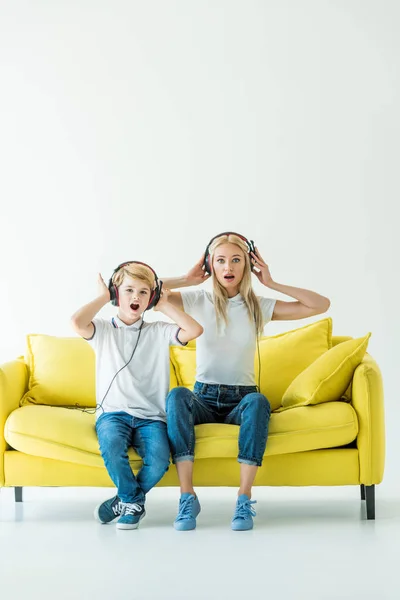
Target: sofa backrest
<point>62,370</point>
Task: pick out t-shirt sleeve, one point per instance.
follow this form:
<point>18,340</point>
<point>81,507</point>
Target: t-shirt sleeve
<point>170,332</point>
<point>190,299</point>
<point>100,328</point>
<point>267,308</point>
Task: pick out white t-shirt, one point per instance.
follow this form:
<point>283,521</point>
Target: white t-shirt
<point>225,357</point>
<point>141,388</point>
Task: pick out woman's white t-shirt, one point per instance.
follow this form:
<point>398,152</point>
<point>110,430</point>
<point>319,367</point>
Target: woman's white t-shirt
<point>225,357</point>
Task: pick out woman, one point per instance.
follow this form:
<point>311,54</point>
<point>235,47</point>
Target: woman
<point>225,390</point>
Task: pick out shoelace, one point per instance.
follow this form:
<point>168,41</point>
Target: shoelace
<point>131,509</point>
<point>244,510</point>
<point>117,508</point>
<point>185,509</point>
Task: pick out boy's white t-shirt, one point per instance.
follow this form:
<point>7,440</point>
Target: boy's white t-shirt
<point>141,388</point>
<point>225,357</point>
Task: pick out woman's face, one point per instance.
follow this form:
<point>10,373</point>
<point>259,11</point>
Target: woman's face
<point>228,267</point>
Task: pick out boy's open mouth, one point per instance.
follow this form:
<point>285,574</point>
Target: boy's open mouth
<point>134,306</point>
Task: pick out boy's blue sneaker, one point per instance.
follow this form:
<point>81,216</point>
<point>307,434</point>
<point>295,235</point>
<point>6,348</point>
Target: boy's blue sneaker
<point>130,516</point>
<point>108,510</point>
<point>244,513</point>
<point>189,508</point>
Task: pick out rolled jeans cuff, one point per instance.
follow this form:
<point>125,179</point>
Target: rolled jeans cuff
<point>182,457</point>
<point>253,463</point>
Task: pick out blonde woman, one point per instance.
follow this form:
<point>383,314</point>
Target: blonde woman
<point>225,391</point>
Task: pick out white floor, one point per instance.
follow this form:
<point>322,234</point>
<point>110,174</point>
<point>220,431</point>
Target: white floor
<point>308,543</point>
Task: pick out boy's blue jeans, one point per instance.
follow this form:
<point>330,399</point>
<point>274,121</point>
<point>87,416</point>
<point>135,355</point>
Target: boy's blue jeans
<point>117,431</point>
<point>208,403</point>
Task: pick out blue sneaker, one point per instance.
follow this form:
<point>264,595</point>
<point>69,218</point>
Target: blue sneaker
<point>244,513</point>
<point>108,510</point>
<point>130,516</point>
<point>189,508</point>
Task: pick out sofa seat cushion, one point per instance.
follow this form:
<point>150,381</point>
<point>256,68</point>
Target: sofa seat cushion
<point>69,435</point>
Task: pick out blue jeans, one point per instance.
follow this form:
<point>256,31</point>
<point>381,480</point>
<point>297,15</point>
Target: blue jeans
<point>117,431</point>
<point>232,404</point>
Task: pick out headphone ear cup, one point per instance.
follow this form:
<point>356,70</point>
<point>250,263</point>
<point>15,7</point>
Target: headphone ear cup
<point>155,296</point>
<point>252,248</point>
<point>207,262</point>
<point>114,296</point>
<point>113,293</point>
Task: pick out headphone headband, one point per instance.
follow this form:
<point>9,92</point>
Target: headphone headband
<point>207,263</point>
<point>113,289</point>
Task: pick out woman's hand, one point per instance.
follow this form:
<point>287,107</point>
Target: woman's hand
<point>261,269</point>
<point>197,274</point>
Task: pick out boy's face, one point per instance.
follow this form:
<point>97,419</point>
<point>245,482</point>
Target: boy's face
<point>134,297</point>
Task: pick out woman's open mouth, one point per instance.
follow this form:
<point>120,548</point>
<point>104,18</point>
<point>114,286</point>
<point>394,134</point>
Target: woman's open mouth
<point>229,277</point>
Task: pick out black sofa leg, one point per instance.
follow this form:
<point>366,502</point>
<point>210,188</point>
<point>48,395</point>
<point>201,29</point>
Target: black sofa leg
<point>18,494</point>
<point>370,498</point>
<point>362,488</point>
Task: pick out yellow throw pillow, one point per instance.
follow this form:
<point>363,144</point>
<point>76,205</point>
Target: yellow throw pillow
<point>61,371</point>
<point>328,378</point>
<point>184,363</point>
<point>285,356</point>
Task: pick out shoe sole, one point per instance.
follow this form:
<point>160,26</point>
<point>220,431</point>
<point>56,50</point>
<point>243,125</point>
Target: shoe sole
<point>241,528</point>
<point>131,525</point>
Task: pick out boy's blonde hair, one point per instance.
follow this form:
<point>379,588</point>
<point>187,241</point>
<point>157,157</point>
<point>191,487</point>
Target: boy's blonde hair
<point>245,288</point>
<point>135,271</point>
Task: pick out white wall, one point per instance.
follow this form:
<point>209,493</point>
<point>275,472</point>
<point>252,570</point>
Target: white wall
<point>138,130</point>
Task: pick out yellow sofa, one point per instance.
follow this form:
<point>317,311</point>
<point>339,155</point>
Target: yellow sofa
<point>47,440</point>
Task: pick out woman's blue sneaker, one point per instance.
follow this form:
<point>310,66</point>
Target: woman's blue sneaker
<point>244,513</point>
<point>189,508</point>
<point>108,510</point>
<point>130,516</point>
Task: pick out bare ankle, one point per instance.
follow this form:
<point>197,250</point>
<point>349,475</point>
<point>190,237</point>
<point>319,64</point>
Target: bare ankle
<point>245,492</point>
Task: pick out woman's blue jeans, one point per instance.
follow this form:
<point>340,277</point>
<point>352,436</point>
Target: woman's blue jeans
<point>232,404</point>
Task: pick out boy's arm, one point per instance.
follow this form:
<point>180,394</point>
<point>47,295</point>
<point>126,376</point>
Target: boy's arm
<point>195,276</point>
<point>189,328</point>
<point>82,319</point>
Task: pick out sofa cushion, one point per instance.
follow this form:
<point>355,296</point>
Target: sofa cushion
<point>69,435</point>
<point>328,378</point>
<point>62,372</point>
<point>286,355</point>
<point>184,361</point>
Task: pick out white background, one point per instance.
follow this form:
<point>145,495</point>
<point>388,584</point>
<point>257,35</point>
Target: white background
<point>138,130</point>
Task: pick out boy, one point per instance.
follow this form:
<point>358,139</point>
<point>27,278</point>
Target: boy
<point>132,382</point>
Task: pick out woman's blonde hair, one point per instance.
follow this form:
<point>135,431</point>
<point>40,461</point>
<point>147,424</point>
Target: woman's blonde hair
<point>135,271</point>
<point>245,287</point>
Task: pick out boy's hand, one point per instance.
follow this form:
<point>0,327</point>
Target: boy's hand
<point>103,290</point>
<point>197,274</point>
<point>163,301</point>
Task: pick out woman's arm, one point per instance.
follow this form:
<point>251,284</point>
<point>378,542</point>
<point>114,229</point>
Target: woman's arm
<point>195,276</point>
<point>307,303</point>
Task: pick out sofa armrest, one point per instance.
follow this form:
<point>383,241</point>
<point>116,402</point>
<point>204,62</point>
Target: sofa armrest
<point>13,384</point>
<point>367,400</point>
